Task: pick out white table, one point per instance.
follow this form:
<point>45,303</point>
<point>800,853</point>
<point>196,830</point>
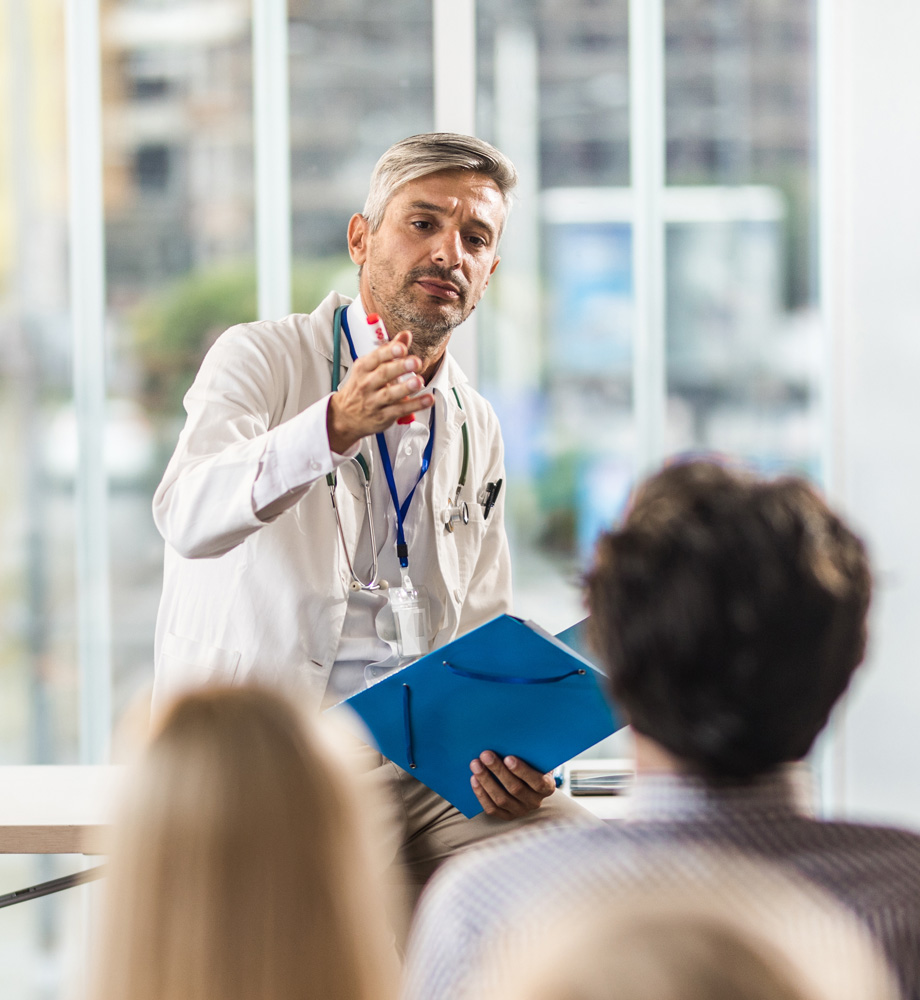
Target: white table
<point>66,809</point>
<point>61,809</point>
<point>55,809</point>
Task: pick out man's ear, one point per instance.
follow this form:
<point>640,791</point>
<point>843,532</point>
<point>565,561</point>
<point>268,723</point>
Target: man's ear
<point>491,272</point>
<point>358,232</point>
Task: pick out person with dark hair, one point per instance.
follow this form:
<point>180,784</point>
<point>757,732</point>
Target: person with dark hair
<point>730,612</point>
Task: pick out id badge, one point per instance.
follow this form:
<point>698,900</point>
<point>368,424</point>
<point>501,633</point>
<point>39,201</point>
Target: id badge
<point>412,619</point>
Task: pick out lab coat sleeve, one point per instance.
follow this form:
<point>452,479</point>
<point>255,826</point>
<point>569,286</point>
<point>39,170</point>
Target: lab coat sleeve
<point>294,454</point>
<point>242,404</point>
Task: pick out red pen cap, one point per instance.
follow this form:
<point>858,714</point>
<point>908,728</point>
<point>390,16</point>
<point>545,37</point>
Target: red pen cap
<point>377,328</point>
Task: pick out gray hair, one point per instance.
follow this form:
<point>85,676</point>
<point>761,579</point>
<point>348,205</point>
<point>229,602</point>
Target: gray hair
<point>420,155</point>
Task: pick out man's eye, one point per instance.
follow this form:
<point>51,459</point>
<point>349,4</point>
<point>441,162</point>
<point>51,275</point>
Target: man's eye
<point>477,241</point>
<point>421,224</point>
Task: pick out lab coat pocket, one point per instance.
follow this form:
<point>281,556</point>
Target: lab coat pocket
<point>468,540</point>
<point>186,663</point>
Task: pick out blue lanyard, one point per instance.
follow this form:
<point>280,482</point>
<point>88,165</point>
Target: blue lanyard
<point>402,509</point>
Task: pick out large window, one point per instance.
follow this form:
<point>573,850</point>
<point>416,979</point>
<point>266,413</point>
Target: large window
<point>557,85</point>
<point>731,119</point>
<point>717,257</point>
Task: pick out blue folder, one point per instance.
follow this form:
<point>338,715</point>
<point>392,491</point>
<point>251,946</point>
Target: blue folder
<point>507,686</point>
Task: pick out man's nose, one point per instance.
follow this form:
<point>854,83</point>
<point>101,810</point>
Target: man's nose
<point>448,249</point>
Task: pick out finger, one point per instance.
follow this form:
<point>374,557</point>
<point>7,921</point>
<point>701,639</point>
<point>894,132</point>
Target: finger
<point>505,789</point>
<point>541,783</point>
<point>381,366</point>
<point>380,410</point>
<point>485,800</point>
<point>393,402</point>
<point>379,355</point>
<point>396,392</point>
<point>521,780</point>
<point>414,404</point>
<point>398,347</point>
<point>512,783</point>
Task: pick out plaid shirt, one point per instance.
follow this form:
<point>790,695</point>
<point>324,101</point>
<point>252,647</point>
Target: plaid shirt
<point>873,871</point>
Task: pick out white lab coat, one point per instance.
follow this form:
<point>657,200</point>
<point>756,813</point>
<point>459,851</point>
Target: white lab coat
<point>245,598</point>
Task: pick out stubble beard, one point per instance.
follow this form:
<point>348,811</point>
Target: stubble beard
<point>430,327</point>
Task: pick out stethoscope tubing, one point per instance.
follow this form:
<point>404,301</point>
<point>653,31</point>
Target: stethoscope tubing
<point>372,584</point>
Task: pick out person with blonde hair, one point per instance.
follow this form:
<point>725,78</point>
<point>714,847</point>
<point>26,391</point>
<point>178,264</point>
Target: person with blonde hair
<point>238,869</point>
<point>726,928</point>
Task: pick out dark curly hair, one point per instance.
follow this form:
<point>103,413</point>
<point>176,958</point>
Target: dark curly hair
<point>730,612</point>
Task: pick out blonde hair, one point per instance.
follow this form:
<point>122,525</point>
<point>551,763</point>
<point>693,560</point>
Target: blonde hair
<point>237,869</point>
<point>748,933</point>
<point>428,153</point>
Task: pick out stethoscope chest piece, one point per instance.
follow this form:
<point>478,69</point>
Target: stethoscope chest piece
<point>454,514</point>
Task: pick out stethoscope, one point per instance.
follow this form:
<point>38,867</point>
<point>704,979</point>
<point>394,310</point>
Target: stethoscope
<point>453,514</point>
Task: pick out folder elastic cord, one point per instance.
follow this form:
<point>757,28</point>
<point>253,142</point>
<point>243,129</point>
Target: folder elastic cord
<point>507,678</point>
<point>473,676</point>
<point>407,724</point>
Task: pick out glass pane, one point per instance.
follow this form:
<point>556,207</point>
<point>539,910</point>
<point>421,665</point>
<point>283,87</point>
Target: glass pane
<point>38,640</point>
<point>38,649</point>
<point>555,329</point>
<point>744,343</point>
<point>361,79</point>
<point>180,218</point>
<point>42,941</point>
<point>179,225</point>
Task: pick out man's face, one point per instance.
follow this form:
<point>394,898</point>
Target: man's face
<point>426,267</point>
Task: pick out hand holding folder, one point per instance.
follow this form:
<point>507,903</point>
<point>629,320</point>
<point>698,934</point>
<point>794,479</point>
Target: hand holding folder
<point>507,686</point>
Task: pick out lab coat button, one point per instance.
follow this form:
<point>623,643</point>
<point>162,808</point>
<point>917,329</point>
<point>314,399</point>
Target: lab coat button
<point>458,594</point>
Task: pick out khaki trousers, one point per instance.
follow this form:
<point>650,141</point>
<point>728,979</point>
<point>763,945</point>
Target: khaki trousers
<point>422,830</point>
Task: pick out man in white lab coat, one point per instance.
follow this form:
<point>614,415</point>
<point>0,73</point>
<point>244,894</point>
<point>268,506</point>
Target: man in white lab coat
<point>262,578</point>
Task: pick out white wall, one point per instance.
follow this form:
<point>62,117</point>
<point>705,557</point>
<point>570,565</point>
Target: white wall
<point>875,291</point>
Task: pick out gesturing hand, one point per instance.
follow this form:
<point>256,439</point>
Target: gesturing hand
<point>508,788</point>
<point>371,398</point>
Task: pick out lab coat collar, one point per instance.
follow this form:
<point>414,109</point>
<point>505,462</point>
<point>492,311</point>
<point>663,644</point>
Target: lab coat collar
<point>321,321</point>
